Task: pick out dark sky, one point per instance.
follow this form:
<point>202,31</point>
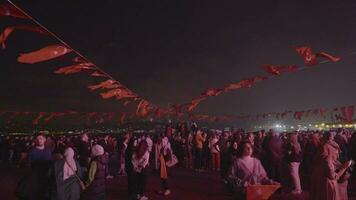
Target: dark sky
<point>170,51</point>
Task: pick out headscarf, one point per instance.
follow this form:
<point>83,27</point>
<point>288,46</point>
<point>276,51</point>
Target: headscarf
<point>97,150</point>
<point>330,150</point>
<point>70,167</point>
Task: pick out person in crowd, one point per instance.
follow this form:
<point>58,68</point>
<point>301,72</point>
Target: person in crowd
<point>310,152</point>
<point>140,160</point>
<point>225,161</point>
<point>215,152</point>
<point>200,138</point>
<point>84,152</point>
<point>165,155</point>
<point>34,186</point>
<point>122,152</point>
<point>341,140</point>
<point>273,148</point>
<point>67,172</point>
<point>190,150</point>
<point>247,170</point>
<point>96,184</point>
<point>327,172</point>
<point>293,158</point>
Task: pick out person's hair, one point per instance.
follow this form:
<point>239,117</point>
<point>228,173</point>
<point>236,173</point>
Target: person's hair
<point>40,134</point>
<point>241,147</point>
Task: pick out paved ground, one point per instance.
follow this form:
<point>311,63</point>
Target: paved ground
<point>185,184</point>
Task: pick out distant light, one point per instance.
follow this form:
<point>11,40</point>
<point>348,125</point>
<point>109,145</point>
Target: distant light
<point>327,126</point>
<point>340,125</point>
<point>292,127</point>
<point>316,126</point>
<point>323,124</point>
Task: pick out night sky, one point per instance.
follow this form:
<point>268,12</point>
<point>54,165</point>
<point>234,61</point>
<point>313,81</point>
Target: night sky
<point>170,51</point>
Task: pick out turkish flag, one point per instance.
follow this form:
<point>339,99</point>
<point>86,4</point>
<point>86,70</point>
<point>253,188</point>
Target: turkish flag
<point>195,103</point>
<point>347,113</point>
<point>143,108</point>
<point>9,10</point>
<point>310,58</point>
<point>108,84</point>
<point>322,111</point>
<point>74,68</point>
<point>37,119</point>
<point>159,112</point>
<point>44,54</point>
<point>328,56</point>
<point>212,92</point>
<point>9,30</point>
<point>298,115</point>
<point>119,93</point>
<point>98,74</point>
<point>307,54</point>
<point>177,110</point>
<point>277,70</point>
<point>122,117</point>
<point>245,83</point>
<point>90,115</point>
<point>52,115</point>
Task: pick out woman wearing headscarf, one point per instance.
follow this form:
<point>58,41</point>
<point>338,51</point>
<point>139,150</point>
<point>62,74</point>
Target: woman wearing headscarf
<point>140,159</point>
<point>165,155</point>
<point>327,171</point>
<point>96,185</point>
<point>67,172</point>
<point>247,170</point>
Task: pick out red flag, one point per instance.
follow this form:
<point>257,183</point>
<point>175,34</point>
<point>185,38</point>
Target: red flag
<point>195,103</point>
<point>44,54</point>
<point>122,117</point>
<point>108,84</point>
<point>37,119</point>
<point>285,113</point>
<point>126,103</point>
<point>277,70</point>
<point>177,110</point>
<point>9,10</point>
<point>245,83</point>
<point>110,116</point>
<point>119,93</point>
<point>307,54</point>
<point>143,108</point>
<point>90,115</point>
<point>328,56</point>
<point>79,59</point>
<point>315,111</point>
<point>74,68</point>
<point>307,113</point>
<point>159,112</point>
<point>322,111</point>
<point>347,113</point>
<point>8,31</point>
<point>310,58</point>
<point>212,92</point>
<point>298,115</point>
<point>52,115</point>
<point>98,74</point>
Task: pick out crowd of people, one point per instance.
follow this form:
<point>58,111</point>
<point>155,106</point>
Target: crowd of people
<point>72,167</point>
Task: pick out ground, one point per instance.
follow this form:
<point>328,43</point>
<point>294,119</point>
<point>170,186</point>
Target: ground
<point>185,185</point>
